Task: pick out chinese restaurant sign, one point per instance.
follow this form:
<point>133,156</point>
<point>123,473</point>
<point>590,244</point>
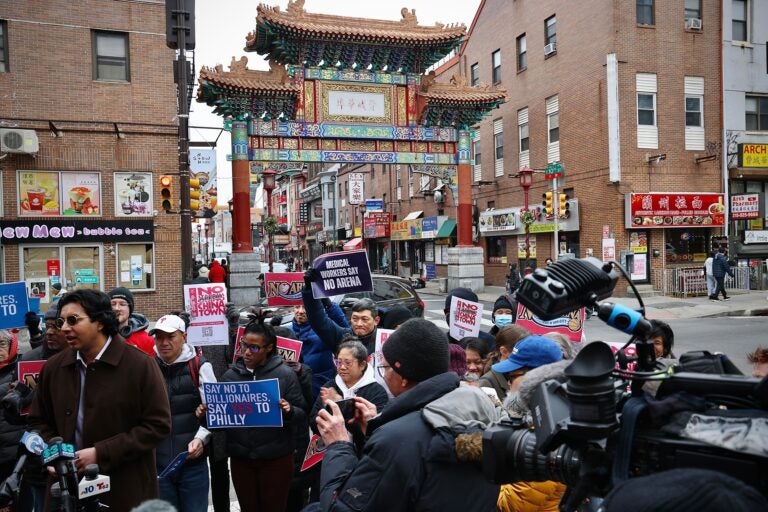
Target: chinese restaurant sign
<point>406,230</point>
<point>674,210</point>
<point>356,190</point>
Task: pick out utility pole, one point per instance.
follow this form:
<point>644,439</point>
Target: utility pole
<point>556,212</point>
<point>180,23</point>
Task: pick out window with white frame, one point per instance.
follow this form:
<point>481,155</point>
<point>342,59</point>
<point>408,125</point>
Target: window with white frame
<point>477,172</point>
<point>756,110</point>
<point>496,66</point>
<point>694,113</point>
<point>553,129</point>
<point>410,181</point>
<point>140,259</point>
<point>524,159</point>
<point>498,144</point>
<point>647,131</point>
<point>110,56</point>
<point>644,13</point>
<point>522,53</point>
<point>475,74</point>
<point>739,20</point>
<point>399,182</point>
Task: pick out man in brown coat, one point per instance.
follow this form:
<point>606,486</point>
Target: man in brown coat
<point>105,397</point>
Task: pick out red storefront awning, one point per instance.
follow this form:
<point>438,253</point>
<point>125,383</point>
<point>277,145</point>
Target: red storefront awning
<point>354,244</point>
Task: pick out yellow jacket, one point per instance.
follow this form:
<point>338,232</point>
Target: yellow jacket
<point>530,497</point>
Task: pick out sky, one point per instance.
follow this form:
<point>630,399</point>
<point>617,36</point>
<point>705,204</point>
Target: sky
<point>221,28</point>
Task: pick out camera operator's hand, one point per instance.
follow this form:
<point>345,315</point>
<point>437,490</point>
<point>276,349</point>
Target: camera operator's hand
<point>84,457</point>
<point>195,448</point>
<point>331,426</point>
<point>310,276</point>
<point>365,411</point>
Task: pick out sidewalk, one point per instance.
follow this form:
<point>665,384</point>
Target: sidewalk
<point>751,303</point>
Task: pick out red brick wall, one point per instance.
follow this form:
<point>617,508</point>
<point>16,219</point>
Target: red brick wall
<point>50,79</point>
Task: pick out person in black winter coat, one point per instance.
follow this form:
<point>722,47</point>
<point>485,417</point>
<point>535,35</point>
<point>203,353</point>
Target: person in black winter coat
<point>513,278</point>
<point>261,459</point>
<point>720,269</point>
<point>10,432</point>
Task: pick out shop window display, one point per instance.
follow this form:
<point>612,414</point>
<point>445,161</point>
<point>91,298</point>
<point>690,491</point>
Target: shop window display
<point>686,247</point>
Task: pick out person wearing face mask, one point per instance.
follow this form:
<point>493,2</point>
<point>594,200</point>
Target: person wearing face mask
<point>504,313</point>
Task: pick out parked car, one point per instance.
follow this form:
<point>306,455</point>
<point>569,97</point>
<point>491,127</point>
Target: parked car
<point>387,291</point>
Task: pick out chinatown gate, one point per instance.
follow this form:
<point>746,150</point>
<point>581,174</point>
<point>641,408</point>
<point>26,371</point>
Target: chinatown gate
<point>347,90</point>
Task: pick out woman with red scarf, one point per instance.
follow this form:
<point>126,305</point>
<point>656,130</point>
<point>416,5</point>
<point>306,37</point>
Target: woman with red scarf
<point>10,434</point>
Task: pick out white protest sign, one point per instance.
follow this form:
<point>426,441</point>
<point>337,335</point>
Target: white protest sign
<point>465,318</point>
<point>207,307</point>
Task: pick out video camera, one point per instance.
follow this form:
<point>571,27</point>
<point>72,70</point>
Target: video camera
<point>590,433</point>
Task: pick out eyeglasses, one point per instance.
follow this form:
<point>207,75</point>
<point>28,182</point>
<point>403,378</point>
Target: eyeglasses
<point>343,363</point>
<point>5,343</point>
<point>71,321</point>
<point>382,369</point>
<point>253,349</point>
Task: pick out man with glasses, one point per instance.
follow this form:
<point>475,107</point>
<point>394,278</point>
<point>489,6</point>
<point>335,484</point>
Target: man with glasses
<point>53,340</point>
<point>106,398</point>
<point>407,461</point>
<point>184,372</point>
<point>365,319</point>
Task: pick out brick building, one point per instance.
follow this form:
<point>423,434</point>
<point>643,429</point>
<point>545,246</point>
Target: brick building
<point>87,119</point>
<point>626,95</point>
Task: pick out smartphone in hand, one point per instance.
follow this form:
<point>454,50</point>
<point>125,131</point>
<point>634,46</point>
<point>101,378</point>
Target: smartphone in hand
<point>347,408</point>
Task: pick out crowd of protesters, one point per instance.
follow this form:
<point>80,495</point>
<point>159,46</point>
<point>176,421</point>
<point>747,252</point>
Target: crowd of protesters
<point>390,419</point>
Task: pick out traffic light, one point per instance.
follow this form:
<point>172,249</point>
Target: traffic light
<point>166,192</point>
<point>547,203</point>
<point>194,194</point>
<point>563,207</point>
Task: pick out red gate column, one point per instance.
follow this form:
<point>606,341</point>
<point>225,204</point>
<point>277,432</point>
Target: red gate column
<point>241,195</point>
<point>464,183</point>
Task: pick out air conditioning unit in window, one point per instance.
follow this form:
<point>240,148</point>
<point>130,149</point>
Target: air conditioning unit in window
<point>693,24</point>
<point>13,140</point>
<point>550,49</point>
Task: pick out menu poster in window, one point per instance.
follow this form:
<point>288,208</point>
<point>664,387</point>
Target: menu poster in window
<point>80,193</point>
<point>38,193</point>
<point>639,267</point>
<point>38,287</point>
<point>133,193</point>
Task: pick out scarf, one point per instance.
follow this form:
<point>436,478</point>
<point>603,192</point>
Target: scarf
<point>350,392</point>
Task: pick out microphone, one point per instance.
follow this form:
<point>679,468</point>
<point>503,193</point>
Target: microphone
<point>60,455</point>
<point>33,442</point>
<point>9,489</point>
<point>90,487</point>
<point>566,286</point>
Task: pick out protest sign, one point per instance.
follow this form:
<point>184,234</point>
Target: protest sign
<point>174,465</point>
<point>342,272</point>
<point>13,305</point>
<point>465,318</point>
<point>570,325</point>
<point>315,452</point>
<point>376,359</point>
<point>283,288</point>
<point>29,374</point>
<point>289,349</point>
<point>243,404</point>
<point>207,307</point>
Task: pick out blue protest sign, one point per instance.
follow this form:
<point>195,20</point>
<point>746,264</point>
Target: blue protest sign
<point>174,465</point>
<point>342,272</point>
<point>13,305</point>
<point>243,404</point>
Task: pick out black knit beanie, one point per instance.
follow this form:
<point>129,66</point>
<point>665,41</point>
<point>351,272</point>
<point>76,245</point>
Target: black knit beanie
<point>417,350</point>
<point>502,303</point>
<point>701,490</point>
<point>394,316</point>
<point>122,293</point>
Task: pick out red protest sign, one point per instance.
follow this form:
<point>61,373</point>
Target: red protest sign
<point>283,288</point>
<point>571,325</point>
<point>29,373</point>
<point>289,349</point>
<point>315,452</point>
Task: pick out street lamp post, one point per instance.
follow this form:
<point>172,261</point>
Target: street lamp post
<point>268,175</point>
<point>207,242</point>
<point>526,178</point>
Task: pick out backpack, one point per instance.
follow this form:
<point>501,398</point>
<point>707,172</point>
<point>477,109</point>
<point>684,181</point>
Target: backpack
<point>704,361</point>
